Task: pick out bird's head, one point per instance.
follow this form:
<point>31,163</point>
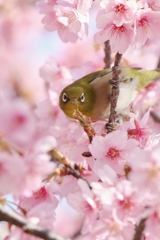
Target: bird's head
<point>81,98</point>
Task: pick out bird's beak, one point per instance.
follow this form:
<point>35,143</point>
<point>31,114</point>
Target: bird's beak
<point>73,101</point>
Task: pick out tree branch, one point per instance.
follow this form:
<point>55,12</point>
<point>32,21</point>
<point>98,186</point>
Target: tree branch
<point>66,169</point>
<point>32,229</point>
<point>155,116</point>
<point>158,63</point>
<point>139,229</point>
<point>116,71</point>
<point>107,57</point>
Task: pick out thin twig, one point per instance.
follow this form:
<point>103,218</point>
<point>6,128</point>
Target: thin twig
<point>139,229</point>
<point>66,169</point>
<point>107,52</point>
<point>158,64</point>
<point>155,116</point>
<point>76,174</point>
<point>116,71</point>
<point>28,227</point>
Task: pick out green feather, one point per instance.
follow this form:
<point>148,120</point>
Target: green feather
<point>145,77</point>
<point>92,76</point>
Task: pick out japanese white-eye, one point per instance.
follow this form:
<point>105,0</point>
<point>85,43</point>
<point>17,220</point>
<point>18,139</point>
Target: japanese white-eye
<point>91,94</point>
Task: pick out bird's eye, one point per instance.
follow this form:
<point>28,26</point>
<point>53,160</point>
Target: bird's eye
<point>64,97</point>
<point>82,98</point>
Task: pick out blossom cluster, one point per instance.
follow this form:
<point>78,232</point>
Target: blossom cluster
<point>69,18</point>
<point>123,22</point>
<point>41,150</point>
<point>120,180</point>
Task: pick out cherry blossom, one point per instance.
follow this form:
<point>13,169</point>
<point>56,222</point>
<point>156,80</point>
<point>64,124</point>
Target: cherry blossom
<point>116,21</point>
<point>17,123</point>
<point>110,227</point>
<point>153,220</point>
<point>125,23</point>
<point>120,11</point>
<point>147,23</point>
<point>112,150</point>
<point>120,36</point>
<point>12,170</point>
<point>145,172</point>
<point>68,186</point>
<point>86,204</point>
<point>69,18</point>
<point>153,4</point>
<point>38,167</point>
<point>42,213</point>
<point>56,76</point>
<point>104,194</point>
<point>101,189</point>
<point>74,143</point>
<point>138,128</point>
<point>127,204</point>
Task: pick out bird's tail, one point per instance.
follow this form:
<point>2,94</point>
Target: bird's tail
<point>145,76</point>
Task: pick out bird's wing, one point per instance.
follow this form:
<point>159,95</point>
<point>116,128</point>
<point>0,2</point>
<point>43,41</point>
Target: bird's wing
<point>93,76</point>
<point>125,71</point>
<point>144,77</point>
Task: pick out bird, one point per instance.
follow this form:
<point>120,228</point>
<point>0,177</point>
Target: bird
<point>91,94</point>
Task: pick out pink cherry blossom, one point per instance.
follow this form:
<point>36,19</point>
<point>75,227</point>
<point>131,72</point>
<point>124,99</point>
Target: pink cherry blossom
<point>110,227</point>
<point>39,209</point>
<point>64,186</point>
<point>51,120</point>
<point>15,80</point>
<point>74,143</point>
<point>153,4</point>
<point>127,204</point>
<point>12,170</point>
<point>120,11</point>
<point>153,220</point>
<point>105,173</point>
<point>69,18</point>
<point>120,36</point>
<point>18,16</point>
<point>149,99</point>
<point>145,174</point>
<point>138,128</point>
<point>67,217</point>
<point>41,195</point>
<point>17,123</point>
<point>84,202</point>
<point>104,194</point>
<point>147,23</point>
<point>127,22</point>
<point>38,167</point>
<point>33,167</point>
<point>112,149</point>
<point>42,214</point>
<point>122,176</point>
<point>55,76</point>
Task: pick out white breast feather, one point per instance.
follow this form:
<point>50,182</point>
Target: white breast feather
<point>127,94</point>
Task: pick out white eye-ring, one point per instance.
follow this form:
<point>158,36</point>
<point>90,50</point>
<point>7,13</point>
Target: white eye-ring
<point>64,97</point>
<point>82,98</point>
